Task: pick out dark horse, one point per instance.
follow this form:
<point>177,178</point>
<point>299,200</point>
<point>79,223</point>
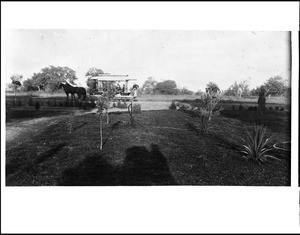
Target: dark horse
<point>80,91</point>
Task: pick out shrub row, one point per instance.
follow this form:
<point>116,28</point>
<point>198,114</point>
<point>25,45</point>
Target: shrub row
<point>241,107</point>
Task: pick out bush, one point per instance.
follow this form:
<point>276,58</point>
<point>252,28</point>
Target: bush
<point>93,104</point>
<point>240,107</point>
<point>71,103</point>
<point>77,104</point>
<point>30,102</point>
<point>19,102</point>
<point>80,104</point>
<point>256,145</point>
<point>172,106</point>
<point>49,103</point>
<point>277,108</point>
<point>66,103</point>
<point>252,108</point>
<point>37,105</point>
<point>281,109</point>
<point>271,108</point>
<point>86,105</point>
<point>136,109</point>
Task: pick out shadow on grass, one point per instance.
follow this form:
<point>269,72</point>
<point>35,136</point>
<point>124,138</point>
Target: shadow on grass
<point>144,167</point>
<point>51,152</point>
<point>79,126</point>
<point>93,171</point>
<point>21,162</point>
<point>141,167</point>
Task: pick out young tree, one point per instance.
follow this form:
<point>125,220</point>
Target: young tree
<point>149,85</point>
<point>101,107</point>
<point>211,88</point>
<point>206,109</point>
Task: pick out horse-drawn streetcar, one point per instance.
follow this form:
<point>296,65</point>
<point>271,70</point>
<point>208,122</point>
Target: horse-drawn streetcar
<point>118,85</point>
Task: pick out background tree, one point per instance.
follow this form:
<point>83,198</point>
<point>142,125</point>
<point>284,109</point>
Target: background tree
<point>28,85</point>
<point>255,91</point>
<point>15,83</point>
<point>50,77</point>
<point>93,72</point>
<point>149,86</point>
<point>238,89</point>
<point>185,91</point>
<point>199,92</point>
<point>212,87</point>
<point>275,85</point>
<point>167,87</point>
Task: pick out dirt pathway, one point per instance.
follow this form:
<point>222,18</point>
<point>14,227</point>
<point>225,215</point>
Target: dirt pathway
<point>18,132</point>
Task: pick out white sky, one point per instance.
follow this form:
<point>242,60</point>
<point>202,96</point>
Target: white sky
<point>191,58</point>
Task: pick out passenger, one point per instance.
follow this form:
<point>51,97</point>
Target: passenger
<point>135,87</point>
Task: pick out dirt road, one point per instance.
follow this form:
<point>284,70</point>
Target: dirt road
<point>20,131</point>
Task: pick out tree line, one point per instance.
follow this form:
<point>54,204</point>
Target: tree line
<point>49,78</point>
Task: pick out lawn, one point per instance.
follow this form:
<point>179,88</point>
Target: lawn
<point>159,152</point>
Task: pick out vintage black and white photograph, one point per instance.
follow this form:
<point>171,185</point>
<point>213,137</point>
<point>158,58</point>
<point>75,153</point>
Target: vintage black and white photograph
<point>148,107</point>
<point>149,117</point>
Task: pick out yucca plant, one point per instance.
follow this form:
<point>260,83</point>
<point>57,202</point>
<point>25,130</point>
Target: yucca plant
<point>256,145</point>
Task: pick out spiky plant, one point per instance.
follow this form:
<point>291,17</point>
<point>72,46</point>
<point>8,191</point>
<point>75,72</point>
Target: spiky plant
<point>256,145</point>
<point>201,125</point>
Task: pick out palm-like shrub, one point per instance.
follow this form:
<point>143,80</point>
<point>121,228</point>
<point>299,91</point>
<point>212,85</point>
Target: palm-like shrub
<point>256,145</point>
<point>205,109</point>
<point>136,108</point>
<point>201,125</point>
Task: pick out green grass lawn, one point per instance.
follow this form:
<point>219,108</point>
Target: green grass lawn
<point>159,152</point>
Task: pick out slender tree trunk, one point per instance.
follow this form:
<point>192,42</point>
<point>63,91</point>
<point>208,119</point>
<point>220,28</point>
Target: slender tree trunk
<point>101,141</point>
<point>107,118</point>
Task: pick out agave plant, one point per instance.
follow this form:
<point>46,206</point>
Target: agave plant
<point>256,145</point>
